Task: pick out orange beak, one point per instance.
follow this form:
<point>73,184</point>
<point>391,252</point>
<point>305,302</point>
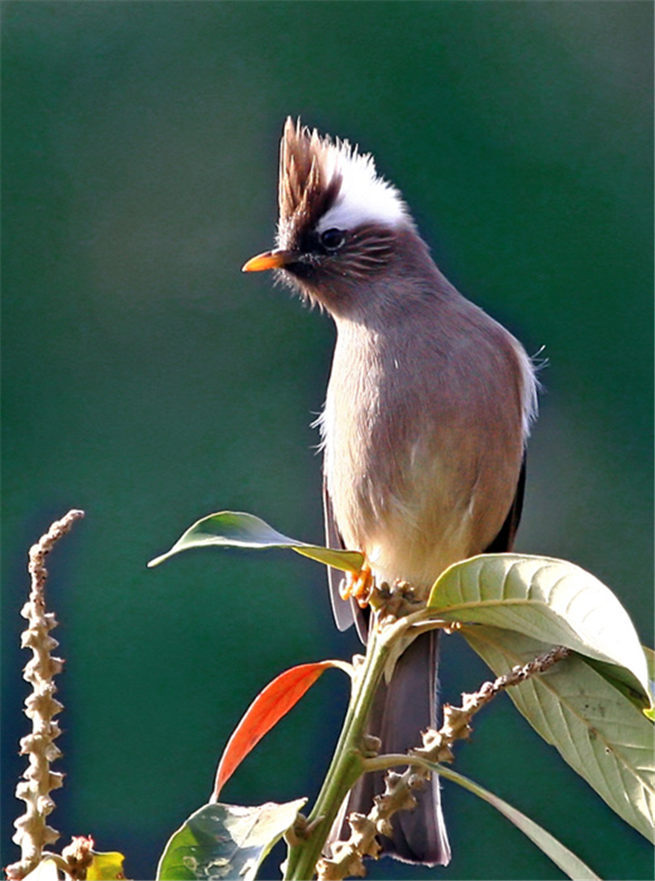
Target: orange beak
<point>269,260</point>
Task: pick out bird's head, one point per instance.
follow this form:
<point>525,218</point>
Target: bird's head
<point>339,222</point>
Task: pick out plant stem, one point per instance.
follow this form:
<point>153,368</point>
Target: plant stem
<point>347,762</point>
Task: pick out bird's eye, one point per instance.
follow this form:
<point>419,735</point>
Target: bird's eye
<point>332,239</point>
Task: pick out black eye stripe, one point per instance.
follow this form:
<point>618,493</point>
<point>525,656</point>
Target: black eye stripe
<point>332,239</point>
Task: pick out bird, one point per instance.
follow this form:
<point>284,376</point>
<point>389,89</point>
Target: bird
<point>427,412</point>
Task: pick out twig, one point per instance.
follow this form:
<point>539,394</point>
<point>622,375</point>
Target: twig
<point>456,724</point>
<point>347,856</point>
<point>33,833</point>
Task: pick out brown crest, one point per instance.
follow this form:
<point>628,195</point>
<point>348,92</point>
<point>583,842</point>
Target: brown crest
<point>304,192</point>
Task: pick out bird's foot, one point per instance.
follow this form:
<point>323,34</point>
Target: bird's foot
<point>358,585</point>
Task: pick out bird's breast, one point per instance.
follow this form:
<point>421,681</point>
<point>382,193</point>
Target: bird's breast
<point>420,468</point>
<point>380,463</point>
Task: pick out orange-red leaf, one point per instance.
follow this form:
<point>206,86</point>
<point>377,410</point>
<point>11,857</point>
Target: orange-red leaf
<point>270,705</point>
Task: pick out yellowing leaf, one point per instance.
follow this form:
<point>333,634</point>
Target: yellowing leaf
<point>106,866</point>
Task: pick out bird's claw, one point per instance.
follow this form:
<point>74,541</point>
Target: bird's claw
<point>358,586</point>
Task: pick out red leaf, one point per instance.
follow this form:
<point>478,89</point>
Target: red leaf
<point>270,705</point>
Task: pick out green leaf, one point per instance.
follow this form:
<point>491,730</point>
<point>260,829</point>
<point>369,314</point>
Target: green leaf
<point>225,841</point>
<point>565,859</point>
<point>234,529</point>
<point>552,601</point>
<point>594,726</point>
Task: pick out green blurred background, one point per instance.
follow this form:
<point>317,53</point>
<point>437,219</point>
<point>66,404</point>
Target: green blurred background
<point>148,382</point>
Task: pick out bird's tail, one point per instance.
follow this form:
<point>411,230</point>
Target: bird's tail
<point>402,708</point>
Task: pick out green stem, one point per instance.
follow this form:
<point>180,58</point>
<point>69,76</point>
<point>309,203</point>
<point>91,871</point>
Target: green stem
<point>347,762</point>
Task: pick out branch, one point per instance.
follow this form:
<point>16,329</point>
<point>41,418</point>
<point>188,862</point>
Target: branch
<point>349,757</point>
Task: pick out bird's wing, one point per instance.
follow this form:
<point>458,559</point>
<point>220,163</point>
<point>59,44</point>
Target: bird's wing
<point>344,612</point>
<point>504,541</point>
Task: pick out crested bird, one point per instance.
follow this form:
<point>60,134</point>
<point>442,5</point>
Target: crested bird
<point>427,412</point>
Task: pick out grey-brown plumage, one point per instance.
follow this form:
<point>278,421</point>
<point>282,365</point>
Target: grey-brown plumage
<point>424,427</point>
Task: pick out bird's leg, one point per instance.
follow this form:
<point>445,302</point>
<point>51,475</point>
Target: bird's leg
<point>358,585</point>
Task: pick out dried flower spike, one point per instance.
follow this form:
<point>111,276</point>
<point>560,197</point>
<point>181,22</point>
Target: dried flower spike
<point>32,831</point>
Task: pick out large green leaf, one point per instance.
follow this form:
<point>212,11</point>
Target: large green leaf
<point>567,861</point>
<point>552,601</point>
<point>596,727</point>
<point>225,841</point>
<point>236,529</point>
